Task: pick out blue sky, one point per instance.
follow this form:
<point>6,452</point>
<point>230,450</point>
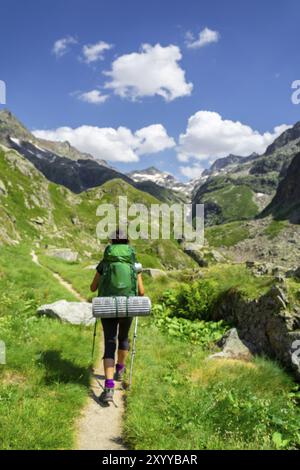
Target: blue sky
<point>235,82</point>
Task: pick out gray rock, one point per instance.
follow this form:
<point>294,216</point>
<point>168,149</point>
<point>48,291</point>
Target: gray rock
<point>91,267</point>
<point>233,348</point>
<point>294,273</point>
<point>217,256</point>
<point>75,220</point>
<point>75,313</point>
<point>154,273</point>
<point>63,253</point>
<point>197,256</point>
<point>38,220</point>
<point>3,190</point>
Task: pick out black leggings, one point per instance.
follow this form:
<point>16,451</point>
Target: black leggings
<point>110,329</point>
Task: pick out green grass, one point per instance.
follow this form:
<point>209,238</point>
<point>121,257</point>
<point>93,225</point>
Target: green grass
<point>45,382</point>
<point>227,235</point>
<point>275,228</point>
<point>236,202</point>
<point>180,400</point>
<point>76,273</point>
<point>293,286</point>
<point>238,277</point>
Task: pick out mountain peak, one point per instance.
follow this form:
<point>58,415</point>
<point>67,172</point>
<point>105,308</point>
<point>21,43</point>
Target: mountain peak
<point>10,126</point>
<point>291,134</point>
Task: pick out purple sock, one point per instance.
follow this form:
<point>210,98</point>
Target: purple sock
<point>109,383</point>
<point>120,367</point>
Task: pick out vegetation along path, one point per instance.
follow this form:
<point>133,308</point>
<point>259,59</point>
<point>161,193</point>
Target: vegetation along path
<point>98,428</point>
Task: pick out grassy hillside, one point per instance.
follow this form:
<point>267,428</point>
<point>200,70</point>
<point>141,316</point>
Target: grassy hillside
<point>226,201</point>
<point>45,381</point>
<point>32,209</point>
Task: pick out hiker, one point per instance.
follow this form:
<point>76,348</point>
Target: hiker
<point>116,276</point>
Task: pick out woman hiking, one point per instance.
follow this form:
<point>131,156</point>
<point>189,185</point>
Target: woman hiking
<point>116,276</point>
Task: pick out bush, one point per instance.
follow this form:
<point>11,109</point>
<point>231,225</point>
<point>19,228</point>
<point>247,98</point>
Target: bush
<point>185,313</point>
<point>192,301</point>
<point>195,332</point>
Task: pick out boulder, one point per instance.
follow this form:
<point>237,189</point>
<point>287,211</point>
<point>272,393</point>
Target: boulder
<point>3,190</point>
<point>233,347</point>
<point>75,313</point>
<point>154,273</point>
<point>63,253</point>
<point>217,256</point>
<point>197,256</point>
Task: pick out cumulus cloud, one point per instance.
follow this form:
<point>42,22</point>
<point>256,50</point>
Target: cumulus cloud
<point>153,139</point>
<point>205,37</point>
<point>116,145</point>
<point>208,136</point>
<point>62,46</point>
<point>152,71</point>
<point>192,172</point>
<point>94,52</point>
<point>93,97</point>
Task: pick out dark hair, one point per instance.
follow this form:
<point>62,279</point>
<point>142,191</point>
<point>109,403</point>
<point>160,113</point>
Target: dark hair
<point>119,238</point>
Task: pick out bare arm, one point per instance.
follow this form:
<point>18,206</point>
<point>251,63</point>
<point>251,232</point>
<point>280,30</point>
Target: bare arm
<point>95,284</point>
<point>141,289</point>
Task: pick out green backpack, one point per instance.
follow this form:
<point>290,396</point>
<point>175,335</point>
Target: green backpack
<point>118,276</point>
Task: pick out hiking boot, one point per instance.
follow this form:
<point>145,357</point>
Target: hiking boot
<point>107,396</point>
<point>119,374</point>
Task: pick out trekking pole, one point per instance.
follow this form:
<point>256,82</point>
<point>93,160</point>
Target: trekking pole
<point>94,339</point>
<point>133,351</point>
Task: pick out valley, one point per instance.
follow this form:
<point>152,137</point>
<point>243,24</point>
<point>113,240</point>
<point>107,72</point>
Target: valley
<point>248,268</point>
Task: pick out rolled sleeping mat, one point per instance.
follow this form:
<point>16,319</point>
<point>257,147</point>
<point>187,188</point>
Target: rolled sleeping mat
<point>121,307</point>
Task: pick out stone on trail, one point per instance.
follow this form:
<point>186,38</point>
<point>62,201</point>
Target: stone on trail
<point>233,348</point>
<point>75,313</point>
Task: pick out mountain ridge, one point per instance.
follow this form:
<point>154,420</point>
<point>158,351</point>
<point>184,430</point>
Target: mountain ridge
<point>63,164</point>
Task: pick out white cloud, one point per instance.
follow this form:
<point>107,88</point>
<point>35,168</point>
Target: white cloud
<point>205,37</point>
<point>117,145</point>
<point>94,52</point>
<point>62,46</point>
<point>152,71</point>
<point>93,97</point>
<point>153,139</point>
<point>192,172</point>
<point>208,136</point>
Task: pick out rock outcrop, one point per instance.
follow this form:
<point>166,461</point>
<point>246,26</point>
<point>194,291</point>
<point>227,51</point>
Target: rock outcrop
<point>270,324</point>
<point>286,203</point>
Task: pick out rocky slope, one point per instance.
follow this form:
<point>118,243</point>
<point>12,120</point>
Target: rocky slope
<point>269,325</point>
<point>286,203</point>
<point>161,178</point>
<point>238,188</point>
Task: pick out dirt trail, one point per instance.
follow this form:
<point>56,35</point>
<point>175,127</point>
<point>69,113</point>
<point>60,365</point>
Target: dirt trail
<point>98,428</point>
<point>62,281</point>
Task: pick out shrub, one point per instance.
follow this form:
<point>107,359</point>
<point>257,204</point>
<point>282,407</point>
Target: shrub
<point>192,301</point>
